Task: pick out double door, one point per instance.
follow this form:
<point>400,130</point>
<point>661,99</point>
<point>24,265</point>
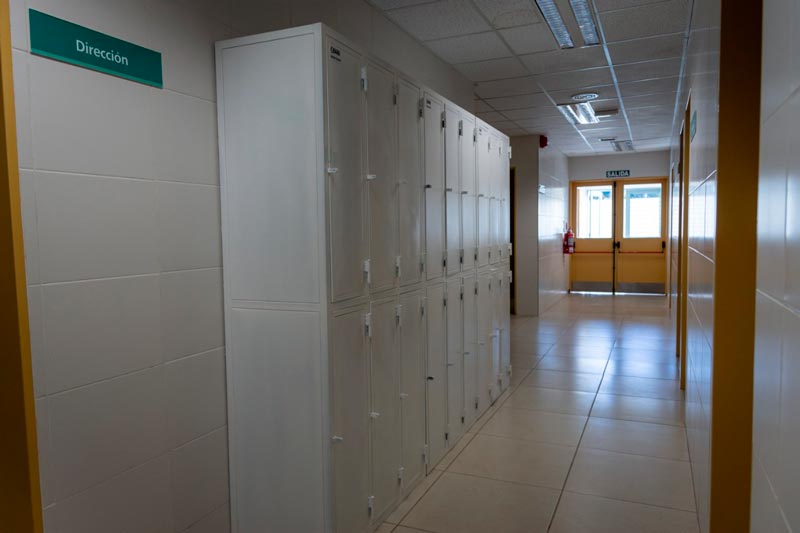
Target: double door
<point>620,236</point>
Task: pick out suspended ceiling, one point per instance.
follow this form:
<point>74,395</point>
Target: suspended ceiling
<point>520,73</point>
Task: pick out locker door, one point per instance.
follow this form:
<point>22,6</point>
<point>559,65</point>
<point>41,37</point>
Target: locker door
<point>505,330</point>
<point>455,362</point>
<point>485,313</point>
<point>469,242</point>
<point>497,302</point>
<point>494,225</point>
<point>471,399</point>
<point>453,210</point>
<point>412,386</point>
<point>468,141</point>
<point>345,179</point>
<point>410,181</point>
<point>484,230</point>
<point>434,142</point>
<point>434,233</point>
<point>385,406</point>
<point>483,148</point>
<point>350,422</point>
<point>452,152</point>
<point>381,177</point>
<point>437,374</point>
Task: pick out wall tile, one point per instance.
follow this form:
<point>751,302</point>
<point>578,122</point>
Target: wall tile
<point>188,226</point>
<point>199,478</point>
<point>222,10</point>
<point>19,24</point>
<point>124,19</point>
<point>767,381</point>
<point>92,227</point>
<point>217,522</point>
<point>30,232</point>
<point>188,55</point>
<point>35,325</point>
<point>187,126</point>
<point>195,396</point>
<point>105,429</point>
<point>135,501</point>
<point>22,105</point>
<point>191,312</point>
<point>88,122</point>
<point>255,16</point>
<point>43,444</point>
<point>97,330</point>
<point>792,221</point>
<point>787,477</point>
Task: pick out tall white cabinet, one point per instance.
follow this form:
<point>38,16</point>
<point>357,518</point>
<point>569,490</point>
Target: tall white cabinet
<point>366,245</point>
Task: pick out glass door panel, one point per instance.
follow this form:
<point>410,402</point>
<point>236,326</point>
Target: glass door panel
<point>592,265</point>
<point>641,263</point>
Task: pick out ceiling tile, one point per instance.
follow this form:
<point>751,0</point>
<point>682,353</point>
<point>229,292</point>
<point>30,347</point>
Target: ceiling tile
<point>529,39</point>
<point>612,5</point>
<point>491,116</point>
<point>518,102</point>
<point>659,47</point>
<point>533,113</point>
<point>515,132</point>
<point>467,48</point>
<point>638,88</point>
<point>394,4</point>
<point>562,60</point>
<point>578,78</point>
<point>658,113</point>
<point>493,69</point>
<point>606,92</point>
<point>647,100</point>
<point>660,68</point>
<point>507,87</point>
<point>481,106</point>
<point>439,19</point>
<point>645,21</point>
<point>509,13</point>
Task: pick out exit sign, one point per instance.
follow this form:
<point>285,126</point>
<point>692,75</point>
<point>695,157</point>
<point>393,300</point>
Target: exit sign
<point>618,173</point>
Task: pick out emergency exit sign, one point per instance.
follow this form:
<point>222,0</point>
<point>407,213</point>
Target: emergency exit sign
<point>64,41</point>
<point>618,173</point>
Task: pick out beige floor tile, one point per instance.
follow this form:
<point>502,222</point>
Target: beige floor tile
<point>522,461</point>
<point>632,478</point>
<point>551,379</point>
<point>386,527</point>
<point>643,342</point>
<point>404,529</point>
<point>540,345</point>
<point>641,438</point>
<point>586,350</point>
<point>643,369</point>
<point>663,389</point>
<point>578,513</point>
<point>457,448</point>
<point>638,409</point>
<point>405,506</point>
<point>469,504</point>
<point>518,375</point>
<point>572,364</point>
<point>524,360</point>
<point>540,426</point>
<point>553,400</point>
<point>647,356</point>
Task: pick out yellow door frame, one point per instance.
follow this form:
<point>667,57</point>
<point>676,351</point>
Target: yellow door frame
<point>683,246</point>
<point>20,497</point>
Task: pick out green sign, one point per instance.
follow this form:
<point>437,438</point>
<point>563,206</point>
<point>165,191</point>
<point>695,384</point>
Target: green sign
<point>58,39</point>
<point>693,126</point>
<point>618,173</point>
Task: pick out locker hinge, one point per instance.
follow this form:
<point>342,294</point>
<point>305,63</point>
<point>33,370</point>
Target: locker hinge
<point>368,325</point>
<point>474,135</point>
<point>422,307</point>
<point>462,293</point>
<point>398,261</point>
<point>460,128</point>
<point>395,92</point>
<point>476,287</point>
<point>446,436</point>
<point>364,86</point>
<point>400,472</point>
<point>444,261</point>
<point>463,419</point>
<point>490,255</point>
<point>367,271</point>
<point>398,314</point>
<point>461,256</point>
<point>421,107</point>
<point>370,504</point>
<point>422,264</point>
<point>444,120</point>
<point>444,300</point>
<point>477,400</point>
<point>425,455</point>
<point>476,254</point>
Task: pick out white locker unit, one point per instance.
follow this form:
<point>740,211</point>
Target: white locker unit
<point>505,328</point>
<point>359,322</point>
<point>434,119</point>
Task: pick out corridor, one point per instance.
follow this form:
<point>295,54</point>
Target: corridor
<point>589,438</point>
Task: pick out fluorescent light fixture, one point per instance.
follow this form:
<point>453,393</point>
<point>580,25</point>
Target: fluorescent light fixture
<point>556,23</point>
<point>581,113</point>
<point>606,113</point>
<point>583,15</point>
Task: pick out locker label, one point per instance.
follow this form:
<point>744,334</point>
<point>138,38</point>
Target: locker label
<point>336,54</point>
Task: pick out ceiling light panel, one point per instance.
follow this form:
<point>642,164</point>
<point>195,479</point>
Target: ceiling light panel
<point>553,19</point>
<point>583,16</point>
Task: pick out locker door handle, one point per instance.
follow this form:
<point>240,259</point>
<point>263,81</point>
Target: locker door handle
<point>449,189</point>
<point>337,438</point>
<point>374,414</point>
<point>403,395</point>
<point>464,192</point>
<point>428,186</point>
<point>466,353</point>
<point>451,364</point>
<point>430,378</point>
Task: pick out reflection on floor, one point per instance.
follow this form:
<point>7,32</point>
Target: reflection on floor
<point>590,437</point>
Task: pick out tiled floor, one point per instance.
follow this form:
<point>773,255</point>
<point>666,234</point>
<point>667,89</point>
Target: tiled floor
<point>589,438</point>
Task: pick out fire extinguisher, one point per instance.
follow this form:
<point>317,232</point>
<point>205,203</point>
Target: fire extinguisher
<point>569,242</point>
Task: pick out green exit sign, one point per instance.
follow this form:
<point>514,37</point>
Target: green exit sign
<point>58,39</point>
<point>618,173</point>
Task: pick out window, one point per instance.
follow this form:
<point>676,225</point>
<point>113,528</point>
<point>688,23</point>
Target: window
<point>641,211</point>
<point>595,204</point>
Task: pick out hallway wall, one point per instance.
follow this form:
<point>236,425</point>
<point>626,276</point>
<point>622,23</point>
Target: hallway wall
<point>641,165</point>
<point>120,194</point>
<point>525,158</point>
<point>553,218</point>
<point>775,504</point>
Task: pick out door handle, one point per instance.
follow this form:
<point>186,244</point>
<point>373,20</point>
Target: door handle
<point>663,245</point>
<point>617,244</point>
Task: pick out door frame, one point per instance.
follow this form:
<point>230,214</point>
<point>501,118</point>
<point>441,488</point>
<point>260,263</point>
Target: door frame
<point>20,495</point>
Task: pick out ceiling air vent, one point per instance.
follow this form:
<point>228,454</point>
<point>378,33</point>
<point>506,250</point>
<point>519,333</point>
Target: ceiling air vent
<point>622,146</point>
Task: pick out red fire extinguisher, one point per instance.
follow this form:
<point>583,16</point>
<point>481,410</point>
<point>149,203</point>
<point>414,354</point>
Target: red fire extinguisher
<point>569,242</point>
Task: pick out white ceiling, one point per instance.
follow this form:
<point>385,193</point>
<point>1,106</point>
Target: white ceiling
<point>520,74</point>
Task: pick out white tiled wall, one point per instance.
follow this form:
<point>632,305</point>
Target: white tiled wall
<point>121,221</point>
<point>553,217</point>
<point>775,502</point>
